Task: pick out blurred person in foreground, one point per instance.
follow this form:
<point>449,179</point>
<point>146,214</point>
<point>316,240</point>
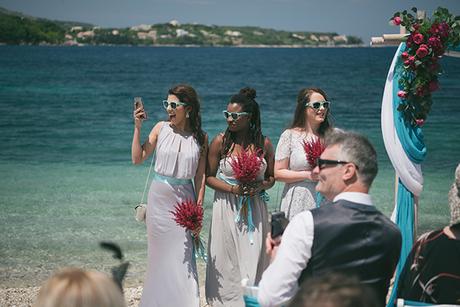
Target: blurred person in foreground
<point>334,290</point>
<point>349,235</point>
<point>431,273</point>
<point>73,287</point>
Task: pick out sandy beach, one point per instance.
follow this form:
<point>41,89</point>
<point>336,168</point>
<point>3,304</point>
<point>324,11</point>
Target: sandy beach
<point>23,297</point>
<point>19,297</point>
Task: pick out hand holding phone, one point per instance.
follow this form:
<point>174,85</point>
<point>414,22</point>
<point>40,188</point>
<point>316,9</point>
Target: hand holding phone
<point>279,223</point>
<point>139,111</point>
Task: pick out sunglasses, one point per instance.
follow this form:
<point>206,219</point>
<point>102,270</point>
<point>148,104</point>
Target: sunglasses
<point>173,104</point>
<point>323,162</point>
<point>318,104</point>
<point>234,115</point>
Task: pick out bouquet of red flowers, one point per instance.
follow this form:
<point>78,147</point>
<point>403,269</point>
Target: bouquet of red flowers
<point>246,166</point>
<point>189,215</point>
<point>313,149</point>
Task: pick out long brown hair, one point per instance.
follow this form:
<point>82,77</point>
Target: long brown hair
<point>299,116</point>
<point>187,94</point>
<point>246,99</point>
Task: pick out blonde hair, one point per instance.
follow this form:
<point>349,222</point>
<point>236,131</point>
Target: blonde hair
<point>75,287</point>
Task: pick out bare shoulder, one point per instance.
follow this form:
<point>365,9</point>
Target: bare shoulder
<point>218,139</point>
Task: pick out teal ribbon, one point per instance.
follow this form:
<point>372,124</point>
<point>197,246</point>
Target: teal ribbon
<point>241,200</point>
<point>171,180</point>
<point>411,139</point>
<point>319,199</point>
<point>199,251</point>
<point>250,301</point>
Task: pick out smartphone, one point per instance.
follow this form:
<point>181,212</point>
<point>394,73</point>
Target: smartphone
<point>279,223</point>
<point>138,103</point>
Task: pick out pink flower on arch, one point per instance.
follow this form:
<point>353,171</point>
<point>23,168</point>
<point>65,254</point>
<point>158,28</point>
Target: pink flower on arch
<point>397,21</point>
<point>420,122</point>
<point>402,94</point>
<point>418,38</point>
<point>443,29</point>
<point>405,55</point>
<point>422,51</point>
<point>434,42</point>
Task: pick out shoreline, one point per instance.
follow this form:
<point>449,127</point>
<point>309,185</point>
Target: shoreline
<point>261,46</point>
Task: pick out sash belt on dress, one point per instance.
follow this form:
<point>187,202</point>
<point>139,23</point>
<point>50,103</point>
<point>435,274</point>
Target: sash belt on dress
<point>171,180</point>
<point>241,200</point>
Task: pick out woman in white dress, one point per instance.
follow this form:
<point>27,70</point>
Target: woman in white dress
<point>311,121</point>
<point>180,148</point>
<point>236,245</point>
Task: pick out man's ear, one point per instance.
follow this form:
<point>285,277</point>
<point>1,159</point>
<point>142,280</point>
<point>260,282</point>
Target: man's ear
<point>349,172</point>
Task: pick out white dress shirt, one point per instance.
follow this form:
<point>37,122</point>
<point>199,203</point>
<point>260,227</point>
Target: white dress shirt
<point>279,282</point>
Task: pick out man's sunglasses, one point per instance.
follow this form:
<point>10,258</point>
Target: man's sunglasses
<point>234,115</point>
<point>323,162</point>
<point>173,104</point>
<point>318,104</point>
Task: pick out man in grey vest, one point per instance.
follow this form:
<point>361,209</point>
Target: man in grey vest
<point>349,236</point>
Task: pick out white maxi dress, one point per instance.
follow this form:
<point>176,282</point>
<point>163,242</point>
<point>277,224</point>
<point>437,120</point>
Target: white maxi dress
<point>234,252</point>
<point>172,278</point>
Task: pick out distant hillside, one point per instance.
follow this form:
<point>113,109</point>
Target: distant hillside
<point>16,28</point>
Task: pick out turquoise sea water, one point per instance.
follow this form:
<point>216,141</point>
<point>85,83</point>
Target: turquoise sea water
<point>66,178</point>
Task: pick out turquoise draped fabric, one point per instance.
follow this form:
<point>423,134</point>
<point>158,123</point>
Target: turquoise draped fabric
<point>411,139</point>
<point>250,301</point>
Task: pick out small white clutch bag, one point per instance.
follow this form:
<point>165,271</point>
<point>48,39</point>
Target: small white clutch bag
<point>141,211</point>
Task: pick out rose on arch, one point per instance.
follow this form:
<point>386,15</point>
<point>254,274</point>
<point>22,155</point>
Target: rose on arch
<point>397,21</point>
<point>418,38</point>
<point>420,122</point>
<point>405,55</point>
<point>434,42</point>
<point>402,94</point>
<point>433,85</point>
<point>422,51</point>
<point>443,29</point>
<point>410,62</point>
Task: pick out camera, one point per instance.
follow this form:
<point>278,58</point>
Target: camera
<point>278,224</point>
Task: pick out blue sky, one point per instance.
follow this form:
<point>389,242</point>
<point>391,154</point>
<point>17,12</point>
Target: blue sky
<point>363,18</point>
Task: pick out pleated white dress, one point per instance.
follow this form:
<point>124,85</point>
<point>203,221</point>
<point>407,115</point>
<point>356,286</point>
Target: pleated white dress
<point>172,278</point>
<point>231,256</point>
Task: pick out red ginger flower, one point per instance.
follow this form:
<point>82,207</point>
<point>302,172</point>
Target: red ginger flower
<point>246,165</point>
<point>313,150</point>
<point>189,215</point>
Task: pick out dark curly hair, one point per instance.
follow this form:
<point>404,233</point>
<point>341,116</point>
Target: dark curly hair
<point>299,116</point>
<point>246,98</point>
<point>187,94</point>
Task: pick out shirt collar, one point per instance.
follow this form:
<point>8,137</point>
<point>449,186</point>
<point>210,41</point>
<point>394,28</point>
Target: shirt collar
<point>355,197</point>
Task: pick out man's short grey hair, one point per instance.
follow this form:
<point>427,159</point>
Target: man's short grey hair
<point>357,149</point>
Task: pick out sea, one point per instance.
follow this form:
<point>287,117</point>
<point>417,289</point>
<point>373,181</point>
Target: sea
<point>66,177</point>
